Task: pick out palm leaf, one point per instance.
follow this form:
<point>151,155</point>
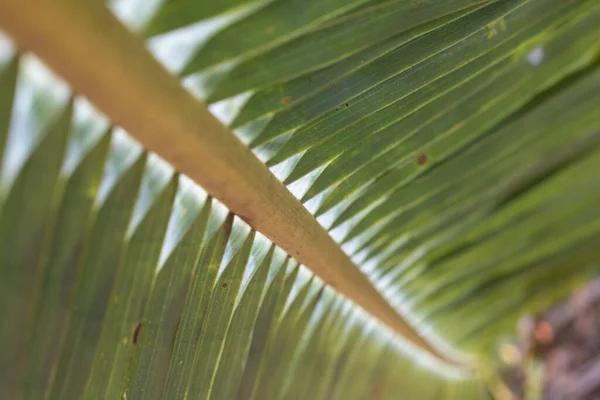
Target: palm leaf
<point>449,149</point>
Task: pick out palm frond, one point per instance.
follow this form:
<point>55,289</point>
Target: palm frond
<point>449,149</point>
<point>417,151</point>
<point>122,279</point>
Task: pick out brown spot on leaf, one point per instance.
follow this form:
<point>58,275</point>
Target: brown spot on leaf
<point>377,391</point>
<point>422,159</point>
<point>346,105</point>
<point>286,99</point>
<point>136,332</point>
<point>225,285</point>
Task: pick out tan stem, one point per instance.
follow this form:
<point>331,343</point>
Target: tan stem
<point>85,44</point>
